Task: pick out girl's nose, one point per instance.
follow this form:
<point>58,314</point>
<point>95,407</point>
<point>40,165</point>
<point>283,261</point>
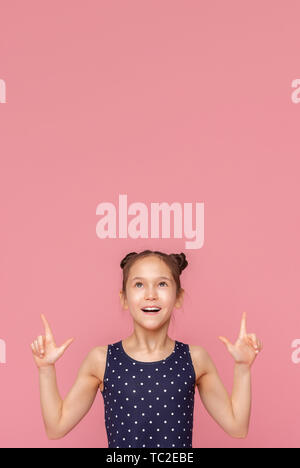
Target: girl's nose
<point>150,295</point>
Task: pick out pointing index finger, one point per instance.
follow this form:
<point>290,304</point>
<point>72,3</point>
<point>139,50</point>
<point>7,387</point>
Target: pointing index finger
<point>243,326</point>
<point>48,331</point>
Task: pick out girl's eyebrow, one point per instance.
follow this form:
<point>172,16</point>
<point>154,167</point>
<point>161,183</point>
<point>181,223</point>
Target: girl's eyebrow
<point>159,277</point>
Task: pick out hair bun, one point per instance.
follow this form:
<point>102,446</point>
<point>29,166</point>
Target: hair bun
<point>181,260</point>
<point>125,259</point>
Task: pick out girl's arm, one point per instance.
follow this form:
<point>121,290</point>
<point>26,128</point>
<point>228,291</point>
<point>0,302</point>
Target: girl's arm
<point>232,413</point>
<point>51,402</point>
<point>60,416</point>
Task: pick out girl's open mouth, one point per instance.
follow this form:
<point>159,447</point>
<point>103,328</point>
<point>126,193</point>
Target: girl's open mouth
<point>151,310</point>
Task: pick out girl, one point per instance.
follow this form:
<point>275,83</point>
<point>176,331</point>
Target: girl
<point>148,380</point>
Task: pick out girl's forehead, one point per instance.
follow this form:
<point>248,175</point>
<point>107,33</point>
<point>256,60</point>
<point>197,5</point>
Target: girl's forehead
<point>149,266</point>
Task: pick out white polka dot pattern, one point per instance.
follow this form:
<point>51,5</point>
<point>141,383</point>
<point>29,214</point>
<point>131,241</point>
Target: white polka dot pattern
<point>149,404</point>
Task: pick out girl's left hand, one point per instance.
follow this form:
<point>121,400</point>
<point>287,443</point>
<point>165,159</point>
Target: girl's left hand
<point>246,347</point>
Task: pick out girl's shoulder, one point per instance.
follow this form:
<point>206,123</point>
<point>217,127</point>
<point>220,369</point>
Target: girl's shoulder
<point>197,350</point>
<point>99,352</point>
<point>97,361</point>
<point>97,356</point>
<point>199,353</point>
<point>200,359</point>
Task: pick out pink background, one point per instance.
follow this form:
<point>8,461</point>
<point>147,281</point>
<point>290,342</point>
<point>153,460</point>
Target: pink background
<point>165,101</point>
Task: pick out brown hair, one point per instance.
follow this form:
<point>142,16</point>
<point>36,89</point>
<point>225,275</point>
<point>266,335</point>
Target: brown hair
<point>176,263</point>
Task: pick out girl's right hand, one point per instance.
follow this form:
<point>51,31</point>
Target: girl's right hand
<point>44,350</point>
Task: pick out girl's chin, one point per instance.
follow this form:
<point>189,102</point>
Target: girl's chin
<point>150,319</point>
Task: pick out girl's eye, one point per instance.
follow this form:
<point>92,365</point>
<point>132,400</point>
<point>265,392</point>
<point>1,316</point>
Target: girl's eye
<point>142,283</point>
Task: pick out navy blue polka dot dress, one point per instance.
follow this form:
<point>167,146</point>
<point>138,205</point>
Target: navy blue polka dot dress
<point>149,404</point>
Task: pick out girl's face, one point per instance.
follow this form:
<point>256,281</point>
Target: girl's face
<point>150,283</point>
